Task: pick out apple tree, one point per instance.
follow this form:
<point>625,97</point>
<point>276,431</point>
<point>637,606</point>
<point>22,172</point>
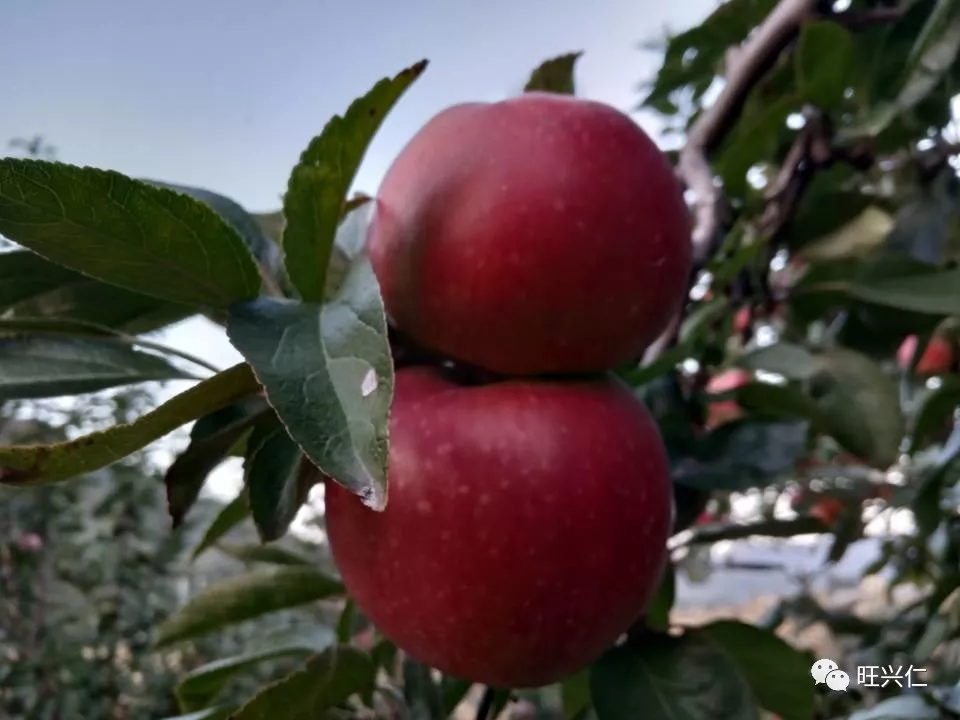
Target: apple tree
<point>530,380</point>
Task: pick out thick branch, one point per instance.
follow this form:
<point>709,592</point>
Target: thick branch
<point>745,65</point>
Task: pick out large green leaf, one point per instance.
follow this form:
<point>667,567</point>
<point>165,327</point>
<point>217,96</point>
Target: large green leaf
<point>326,680</point>
<point>264,250</point>
<point>31,286</point>
<point>42,366</point>
<point>328,372</point>
<point>859,405</point>
<point>933,54</point>
<point>823,60</point>
<point>936,293</point>
<point>670,678</point>
<point>245,597</point>
<point>778,673</point>
<point>211,438</point>
<point>315,200</point>
<point>127,233</point>
<point>793,362</point>
<point>935,410</point>
<point>278,478</point>
<point>199,687</point>
<point>555,75</point>
<point>25,275</point>
<point>231,515</point>
<point>24,465</point>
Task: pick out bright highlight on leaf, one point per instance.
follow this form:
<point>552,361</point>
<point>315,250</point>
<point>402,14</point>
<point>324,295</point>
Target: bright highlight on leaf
<point>315,201</point>
<point>125,232</point>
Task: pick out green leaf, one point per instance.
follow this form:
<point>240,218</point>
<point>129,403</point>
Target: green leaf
<point>231,515</point>
<point>793,362</point>
<point>934,411</point>
<point>24,465</point>
<point>575,694</point>
<point>270,554</point>
<point>857,238</point>
<point>777,401</point>
<point>278,478</point>
<point>658,611</point>
<point>327,680</point>
<point>92,301</point>
<point>25,275</point>
<point>200,686</point>
<point>555,75</point>
<point>211,438</point>
<point>823,61</point>
<point>755,140</point>
<point>670,678</point>
<point>38,366</point>
<point>264,250</point>
<point>328,372</point>
<point>126,233</point>
<point>933,54</point>
<point>778,673</point>
<point>245,597</point>
<point>315,200</point>
<point>859,405</point>
<point>936,293</point>
<point>743,454</point>
<point>941,627</point>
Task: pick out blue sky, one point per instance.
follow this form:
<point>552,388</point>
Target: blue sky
<point>225,94</point>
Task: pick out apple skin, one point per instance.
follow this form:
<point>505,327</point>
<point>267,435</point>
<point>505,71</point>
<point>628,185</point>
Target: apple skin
<point>525,528</point>
<point>722,411</point>
<point>541,234</point>
<point>936,359</point>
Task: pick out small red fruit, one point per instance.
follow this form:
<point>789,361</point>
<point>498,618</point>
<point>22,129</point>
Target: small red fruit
<point>828,510</point>
<point>722,411</point>
<point>936,359</point>
<point>525,528</point>
<point>540,234</point>
<point>742,320</point>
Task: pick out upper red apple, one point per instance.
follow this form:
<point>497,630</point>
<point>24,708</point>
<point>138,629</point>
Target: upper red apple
<point>525,528</point>
<point>540,234</point>
<point>936,358</point>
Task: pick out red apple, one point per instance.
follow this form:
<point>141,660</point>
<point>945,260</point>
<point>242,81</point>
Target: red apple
<point>525,528</point>
<point>722,411</point>
<point>540,234</point>
<point>936,359</point>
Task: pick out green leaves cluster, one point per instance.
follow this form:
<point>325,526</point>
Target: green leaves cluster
<point>104,255</point>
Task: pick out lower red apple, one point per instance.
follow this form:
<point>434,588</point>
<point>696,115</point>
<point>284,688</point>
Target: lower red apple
<point>525,528</point>
<point>936,359</point>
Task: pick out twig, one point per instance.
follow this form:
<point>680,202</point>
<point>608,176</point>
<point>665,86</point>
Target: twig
<point>745,65</point>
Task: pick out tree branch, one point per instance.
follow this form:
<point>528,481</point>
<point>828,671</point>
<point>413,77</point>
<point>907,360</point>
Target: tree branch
<point>745,65</point>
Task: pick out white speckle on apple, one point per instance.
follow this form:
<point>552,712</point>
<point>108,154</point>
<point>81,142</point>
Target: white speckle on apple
<point>370,383</point>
